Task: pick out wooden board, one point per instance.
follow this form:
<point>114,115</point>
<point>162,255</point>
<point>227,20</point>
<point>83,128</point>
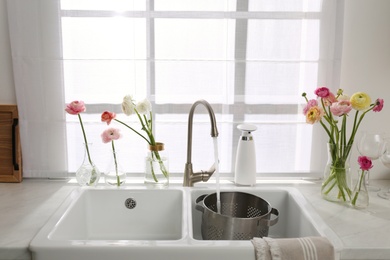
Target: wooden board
<point>10,149</point>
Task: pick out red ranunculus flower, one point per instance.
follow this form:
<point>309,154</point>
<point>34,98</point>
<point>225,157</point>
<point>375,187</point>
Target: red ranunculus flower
<point>107,116</point>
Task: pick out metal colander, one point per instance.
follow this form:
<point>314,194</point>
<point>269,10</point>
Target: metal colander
<point>242,217</point>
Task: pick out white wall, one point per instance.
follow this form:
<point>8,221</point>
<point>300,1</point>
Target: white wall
<point>7,89</point>
<point>366,62</point>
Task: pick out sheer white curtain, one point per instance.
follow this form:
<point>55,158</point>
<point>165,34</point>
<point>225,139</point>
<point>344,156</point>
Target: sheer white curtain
<point>250,59</point>
<point>37,65</point>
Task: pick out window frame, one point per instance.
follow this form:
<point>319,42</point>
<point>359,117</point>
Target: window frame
<point>242,15</point>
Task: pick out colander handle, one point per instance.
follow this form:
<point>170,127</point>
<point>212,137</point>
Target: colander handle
<point>198,206</point>
<point>271,222</point>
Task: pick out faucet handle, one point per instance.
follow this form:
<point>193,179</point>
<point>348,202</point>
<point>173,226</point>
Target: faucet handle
<point>191,177</point>
<point>207,174</point>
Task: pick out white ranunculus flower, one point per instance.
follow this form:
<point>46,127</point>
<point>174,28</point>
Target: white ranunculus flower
<point>128,105</point>
<point>343,97</point>
<point>144,107</point>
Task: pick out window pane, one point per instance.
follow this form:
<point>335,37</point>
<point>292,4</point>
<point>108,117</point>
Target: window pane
<point>180,82</point>
<point>289,155</point>
<point>209,76</point>
<point>191,5</point>
<point>285,5</point>
<point>202,143</point>
<point>112,5</point>
<point>104,38</point>
<point>198,39</point>
<point>283,40</point>
<point>278,82</point>
<point>104,81</point>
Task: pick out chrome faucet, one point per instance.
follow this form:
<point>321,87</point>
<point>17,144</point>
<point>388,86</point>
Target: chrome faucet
<point>189,176</point>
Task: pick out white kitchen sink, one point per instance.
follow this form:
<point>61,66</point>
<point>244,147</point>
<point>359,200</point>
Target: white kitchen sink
<point>122,214</point>
<point>140,223</point>
<point>294,220</point>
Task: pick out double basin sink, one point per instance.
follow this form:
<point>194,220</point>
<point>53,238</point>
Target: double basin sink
<point>143,223</point>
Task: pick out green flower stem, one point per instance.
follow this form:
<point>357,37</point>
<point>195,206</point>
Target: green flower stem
<point>356,123</point>
<point>338,176</point>
<point>161,163</point>
<point>93,173</point>
<point>152,169</point>
<point>85,139</point>
<point>338,137</point>
<point>135,131</point>
<point>361,178</point>
<point>328,132</point>
<point>354,128</point>
<point>342,184</point>
<point>149,123</point>
<point>355,197</point>
<point>147,126</point>
<point>343,131</point>
<point>155,154</point>
<point>116,164</point>
<point>331,177</point>
<point>163,169</point>
<point>304,95</point>
<point>362,116</point>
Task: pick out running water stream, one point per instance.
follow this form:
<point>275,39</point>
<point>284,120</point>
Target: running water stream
<point>215,141</point>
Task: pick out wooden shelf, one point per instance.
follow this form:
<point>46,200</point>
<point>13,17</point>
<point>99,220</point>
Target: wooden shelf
<point>10,149</point>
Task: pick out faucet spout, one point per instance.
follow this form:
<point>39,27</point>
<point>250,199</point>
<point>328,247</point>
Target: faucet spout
<point>189,176</point>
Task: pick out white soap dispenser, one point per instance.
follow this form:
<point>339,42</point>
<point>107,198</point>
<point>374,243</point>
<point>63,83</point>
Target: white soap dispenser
<point>245,170</point>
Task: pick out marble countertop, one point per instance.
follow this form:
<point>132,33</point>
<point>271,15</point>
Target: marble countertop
<point>25,207</point>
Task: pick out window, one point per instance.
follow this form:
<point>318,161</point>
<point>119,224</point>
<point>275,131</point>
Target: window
<point>251,60</point>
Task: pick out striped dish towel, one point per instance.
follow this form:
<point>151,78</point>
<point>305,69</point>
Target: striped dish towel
<point>303,248</point>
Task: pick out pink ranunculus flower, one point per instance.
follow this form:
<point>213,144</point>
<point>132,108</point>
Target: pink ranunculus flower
<point>75,107</point>
<point>110,134</point>
<point>107,116</point>
<point>314,115</point>
<point>322,92</point>
<point>379,105</point>
<point>365,163</point>
<point>311,103</point>
<point>341,108</point>
<point>328,101</point>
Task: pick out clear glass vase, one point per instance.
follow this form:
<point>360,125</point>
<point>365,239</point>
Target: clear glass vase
<point>114,173</point>
<point>360,198</point>
<point>336,185</point>
<point>88,174</point>
<point>157,166</point>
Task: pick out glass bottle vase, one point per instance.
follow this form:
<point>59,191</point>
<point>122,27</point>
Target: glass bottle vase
<point>114,173</point>
<point>156,166</point>
<point>336,186</point>
<point>87,174</point>
<point>360,198</point>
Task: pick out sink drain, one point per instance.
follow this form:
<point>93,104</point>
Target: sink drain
<point>130,203</point>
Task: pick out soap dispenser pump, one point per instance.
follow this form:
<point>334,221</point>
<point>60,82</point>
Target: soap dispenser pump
<point>245,170</point>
